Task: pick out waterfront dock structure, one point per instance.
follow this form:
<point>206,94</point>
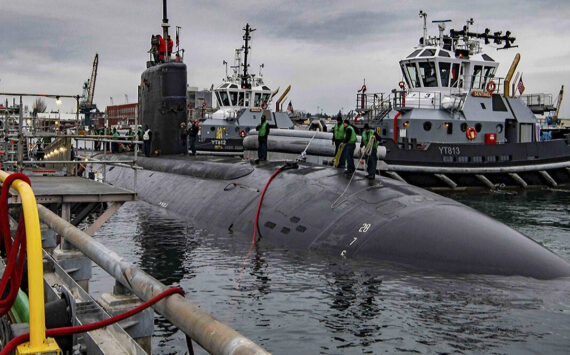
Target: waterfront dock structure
<point>67,264</point>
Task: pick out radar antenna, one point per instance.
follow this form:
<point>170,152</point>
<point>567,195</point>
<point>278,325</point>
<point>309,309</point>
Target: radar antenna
<point>245,80</point>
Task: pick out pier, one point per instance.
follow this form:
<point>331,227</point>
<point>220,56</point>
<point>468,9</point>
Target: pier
<point>68,253</point>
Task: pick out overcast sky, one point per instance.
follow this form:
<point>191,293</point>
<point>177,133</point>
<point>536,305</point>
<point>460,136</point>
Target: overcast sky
<point>324,49</point>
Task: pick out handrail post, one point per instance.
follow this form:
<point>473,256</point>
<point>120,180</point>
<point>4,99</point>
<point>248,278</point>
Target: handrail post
<point>38,343</point>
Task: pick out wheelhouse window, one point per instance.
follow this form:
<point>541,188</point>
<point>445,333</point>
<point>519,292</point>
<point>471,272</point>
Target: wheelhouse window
<point>233,97</point>
<point>257,101</point>
<point>413,75</point>
<point>224,98</point>
<point>489,74</point>
<point>414,53</point>
<point>429,52</point>
<point>443,53</point>
<point>219,98</point>
<point>240,98</point>
<point>444,70</point>
<point>427,73</point>
<point>456,73</point>
<point>265,98</point>
<point>477,79</point>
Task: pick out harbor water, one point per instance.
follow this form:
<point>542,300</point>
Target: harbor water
<point>291,302</point>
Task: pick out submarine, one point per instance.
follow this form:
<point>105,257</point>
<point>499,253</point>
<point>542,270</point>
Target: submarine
<point>306,207</point>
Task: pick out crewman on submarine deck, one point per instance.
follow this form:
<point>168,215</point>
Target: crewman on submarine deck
<point>370,141</point>
<point>338,138</point>
<point>184,138</point>
<point>263,132</point>
<point>349,146</point>
<point>193,129</point>
<point>147,138</point>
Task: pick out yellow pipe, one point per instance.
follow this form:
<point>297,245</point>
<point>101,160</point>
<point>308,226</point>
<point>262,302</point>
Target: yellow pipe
<point>281,98</point>
<point>274,93</point>
<point>283,103</point>
<point>38,342</point>
<point>510,74</point>
<point>514,83</point>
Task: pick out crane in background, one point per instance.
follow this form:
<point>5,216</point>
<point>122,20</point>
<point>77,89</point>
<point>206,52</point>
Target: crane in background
<point>558,104</point>
<point>86,105</point>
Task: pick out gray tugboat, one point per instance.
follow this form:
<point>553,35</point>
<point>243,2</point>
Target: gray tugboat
<point>303,207</point>
<point>452,123</point>
<point>243,98</point>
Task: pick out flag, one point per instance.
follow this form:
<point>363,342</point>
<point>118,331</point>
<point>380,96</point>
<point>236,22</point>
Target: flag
<point>520,86</point>
<point>290,107</point>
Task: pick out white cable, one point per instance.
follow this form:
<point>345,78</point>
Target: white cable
<point>303,154</point>
<point>340,200</point>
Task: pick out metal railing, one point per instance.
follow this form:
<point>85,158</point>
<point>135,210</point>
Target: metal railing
<point>211,334</point>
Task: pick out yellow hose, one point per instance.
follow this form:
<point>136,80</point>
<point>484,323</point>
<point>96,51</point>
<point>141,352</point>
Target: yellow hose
<point>38,342</point>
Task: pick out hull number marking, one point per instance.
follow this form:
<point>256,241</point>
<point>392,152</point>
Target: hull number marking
<point>364,228</point>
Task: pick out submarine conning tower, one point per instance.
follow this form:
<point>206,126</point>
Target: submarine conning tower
<point>162,92</point>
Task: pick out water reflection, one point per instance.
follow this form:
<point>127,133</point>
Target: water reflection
<point>305,303</point>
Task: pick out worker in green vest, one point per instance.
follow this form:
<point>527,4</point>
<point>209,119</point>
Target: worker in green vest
<point>349,146</point>
<point>262,133</point>
<point>338,138</point>
<point>370,141</point>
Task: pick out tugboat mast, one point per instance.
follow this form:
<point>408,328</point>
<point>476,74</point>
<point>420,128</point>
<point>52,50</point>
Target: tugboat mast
<point>245,82</point>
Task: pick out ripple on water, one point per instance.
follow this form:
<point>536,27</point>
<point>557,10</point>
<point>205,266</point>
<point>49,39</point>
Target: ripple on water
<point>298,302</point>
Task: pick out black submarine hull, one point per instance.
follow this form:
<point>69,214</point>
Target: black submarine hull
<point>389,221</point>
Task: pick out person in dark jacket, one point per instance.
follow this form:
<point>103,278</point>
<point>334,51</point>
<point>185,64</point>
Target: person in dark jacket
<point>193,130</point>
<point>184,137</point>
<point>263,132</point>
<point>370,141</point>
<point>349,146</point>
<point>338,138</point>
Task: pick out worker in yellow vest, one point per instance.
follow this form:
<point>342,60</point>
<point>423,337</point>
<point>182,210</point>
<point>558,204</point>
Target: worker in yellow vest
<point>338,138</point>
<point>370,141</point>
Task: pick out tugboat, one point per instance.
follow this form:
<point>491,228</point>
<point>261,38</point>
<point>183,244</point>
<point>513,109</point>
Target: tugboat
<point>453,124</point>
<point>242,98</point>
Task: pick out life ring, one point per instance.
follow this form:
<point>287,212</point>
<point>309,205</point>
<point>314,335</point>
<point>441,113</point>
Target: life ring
<point>264,105</point>
<point>491,86</point>
<point>402,85</point>
<point>471,133</point>
<point>242,133</point>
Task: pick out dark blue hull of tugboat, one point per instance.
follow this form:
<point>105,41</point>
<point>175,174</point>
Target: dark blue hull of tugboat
<point>518,165</point>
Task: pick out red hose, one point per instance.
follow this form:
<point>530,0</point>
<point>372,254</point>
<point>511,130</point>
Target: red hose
<point>57,332</point>
<point>255,226</point>
<point>14,250</point>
